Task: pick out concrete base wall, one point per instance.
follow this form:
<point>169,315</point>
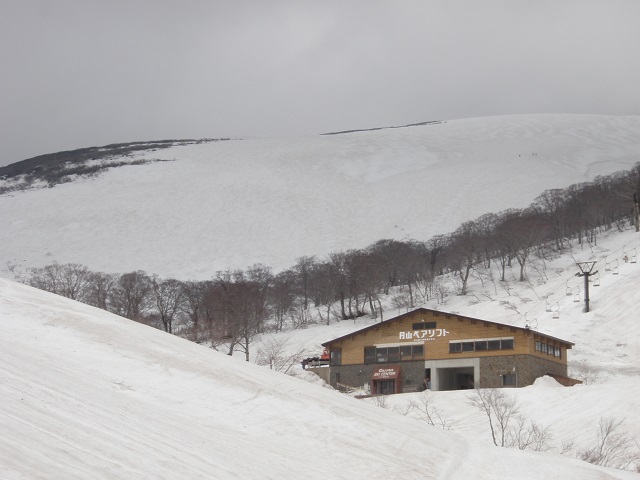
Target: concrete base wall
<point>322,372</point>
<point>526,368</point>
<point>482,372</point>
<point>411,373</point>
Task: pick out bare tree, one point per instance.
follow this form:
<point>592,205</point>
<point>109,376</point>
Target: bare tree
<point>340,279</point>
<point>464,250</point>
<point>46,278</point>
<point>613,448</point>
<point>303,269</point>
<point>274,354</point>
<point>301,315</point>
<point>402,300</point>
<point>529,435</point>
<point>168,296</point>
<point>583,370</point>
<point>242,306</point>
<point>499,408</point>
<point>282,297</point>
<point>99,290</point>
<point>551,206</point>
<point>219,312</point>
<point>323,288</point>
<point>523,230</point>
<point>74,281</point>
<point>131,296</point>
<point>260,279</point>
<point>193,304</point>
<point>70,280</point>
<point>431,414</point>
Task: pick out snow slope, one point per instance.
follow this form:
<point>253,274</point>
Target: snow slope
<point>607,340</point>
<point>88,395</point>
<point>270,200</point>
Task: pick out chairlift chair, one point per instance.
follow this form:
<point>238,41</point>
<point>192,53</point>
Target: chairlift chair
<point>616,270</point>
<point>634,256</point>
<point>556,312</point>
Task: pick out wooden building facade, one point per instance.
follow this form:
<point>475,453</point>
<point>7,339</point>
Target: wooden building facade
<point>443,351</point>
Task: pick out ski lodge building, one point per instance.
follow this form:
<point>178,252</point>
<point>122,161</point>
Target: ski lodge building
<point>452,351</point>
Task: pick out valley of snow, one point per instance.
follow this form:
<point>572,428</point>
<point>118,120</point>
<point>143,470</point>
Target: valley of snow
<point>87,395</point>
<point>234,203</point>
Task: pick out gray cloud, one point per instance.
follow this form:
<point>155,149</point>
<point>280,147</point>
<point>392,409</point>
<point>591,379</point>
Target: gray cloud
<point>81,73</point>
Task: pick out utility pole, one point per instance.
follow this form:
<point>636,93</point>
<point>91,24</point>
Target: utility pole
<point>586,271</point>
<point>636,212</point>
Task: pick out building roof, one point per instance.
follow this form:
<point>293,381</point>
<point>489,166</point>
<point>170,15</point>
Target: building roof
<point>446,315</point>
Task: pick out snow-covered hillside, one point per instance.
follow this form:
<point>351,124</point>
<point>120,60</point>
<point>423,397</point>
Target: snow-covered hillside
<point>86,394</point>
<point>89,395</point>
<point>270,200</point>
<point>606,351</point>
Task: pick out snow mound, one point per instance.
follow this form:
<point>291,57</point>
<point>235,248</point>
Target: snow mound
<point>546,382</point>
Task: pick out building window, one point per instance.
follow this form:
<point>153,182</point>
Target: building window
<point>480,345</point>
<point>369,354</point>
<point>424,326</point>
<point>406,352</point>
<point>548,349</point>
<point>468,346</point>
<point>509,380</point>
<point>506,344</point>
<point>336,356</point>
<point>393,354</point>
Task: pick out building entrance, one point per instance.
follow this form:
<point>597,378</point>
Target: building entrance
<point>386,387</point>
<point>455,378</point>
<point>455,374</point>
<point>385,380</point>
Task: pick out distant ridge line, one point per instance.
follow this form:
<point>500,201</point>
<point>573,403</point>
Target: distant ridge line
<point>48,161</point>
<point>433,122</point>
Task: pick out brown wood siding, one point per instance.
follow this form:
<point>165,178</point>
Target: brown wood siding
<point>436,344</point>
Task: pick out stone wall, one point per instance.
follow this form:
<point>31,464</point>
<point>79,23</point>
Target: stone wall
<point>491,370</point>
<point>527,369</point>
<point>412,374</point>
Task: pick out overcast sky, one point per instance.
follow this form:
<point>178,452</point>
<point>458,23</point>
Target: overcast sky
<point>78,73</point>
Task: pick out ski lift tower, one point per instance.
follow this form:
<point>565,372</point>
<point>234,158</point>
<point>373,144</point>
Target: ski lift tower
<point>586,270</point>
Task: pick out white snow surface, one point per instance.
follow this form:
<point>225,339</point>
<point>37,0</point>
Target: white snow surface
<point>234,203</point>
<point>89,395</point>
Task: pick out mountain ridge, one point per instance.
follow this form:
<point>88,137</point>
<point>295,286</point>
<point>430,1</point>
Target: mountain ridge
<point>272,200</point>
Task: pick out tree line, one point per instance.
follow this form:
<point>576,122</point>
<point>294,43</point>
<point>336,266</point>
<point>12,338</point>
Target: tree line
<point>235,305</point>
